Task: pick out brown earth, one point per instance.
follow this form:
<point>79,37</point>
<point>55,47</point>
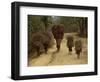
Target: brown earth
<point>63,57</point>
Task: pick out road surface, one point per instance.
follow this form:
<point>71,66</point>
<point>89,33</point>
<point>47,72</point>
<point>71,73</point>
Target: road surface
<point>63,57</point>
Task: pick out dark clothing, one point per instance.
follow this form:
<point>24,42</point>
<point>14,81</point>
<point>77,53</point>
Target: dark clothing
<point>58,31</point>
<point>70,49</point>
<point>70,42</point>
<point>78,51</point>
<point>78,45</point>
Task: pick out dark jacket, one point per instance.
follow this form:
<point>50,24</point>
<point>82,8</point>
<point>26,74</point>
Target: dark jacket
<point>58,31</point>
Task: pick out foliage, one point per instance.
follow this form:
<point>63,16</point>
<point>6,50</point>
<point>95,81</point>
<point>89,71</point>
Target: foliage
<point>45,23</point>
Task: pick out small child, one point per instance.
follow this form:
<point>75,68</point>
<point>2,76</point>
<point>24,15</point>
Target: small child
<point>78,47</point>
<point>70,42</point>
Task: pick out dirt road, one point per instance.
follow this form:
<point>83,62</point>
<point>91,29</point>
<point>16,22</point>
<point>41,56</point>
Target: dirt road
<point>63,57</point>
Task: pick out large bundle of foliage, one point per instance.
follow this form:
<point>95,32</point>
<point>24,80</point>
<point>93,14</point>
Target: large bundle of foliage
<point>40,40</point>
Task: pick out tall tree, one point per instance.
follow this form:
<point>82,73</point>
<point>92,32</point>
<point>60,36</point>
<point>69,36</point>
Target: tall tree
<point>45,21</point>
<point>82,22</point>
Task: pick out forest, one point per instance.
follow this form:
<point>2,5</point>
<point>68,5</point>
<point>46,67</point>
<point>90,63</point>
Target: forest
<point>43,23</point>
<point>76,26</point>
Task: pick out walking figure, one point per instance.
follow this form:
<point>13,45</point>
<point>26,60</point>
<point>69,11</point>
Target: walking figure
<point>70,43</point>
<point>58,33</point>
<point>78,47</point>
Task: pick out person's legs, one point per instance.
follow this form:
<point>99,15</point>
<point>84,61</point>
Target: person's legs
<point>58,42</point>
<point>70,49</point>
<point>46,48</point>
<point>58,47</point>
<point>78,54</point>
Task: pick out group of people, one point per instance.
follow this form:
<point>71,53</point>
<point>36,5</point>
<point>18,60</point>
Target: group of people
<point>41,40</point>
<point>58,33</point>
